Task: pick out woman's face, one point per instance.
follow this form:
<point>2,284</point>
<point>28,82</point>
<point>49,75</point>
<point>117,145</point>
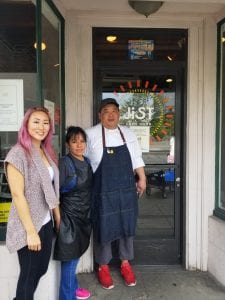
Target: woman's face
<point>38,126</point>
<point>77,146</point>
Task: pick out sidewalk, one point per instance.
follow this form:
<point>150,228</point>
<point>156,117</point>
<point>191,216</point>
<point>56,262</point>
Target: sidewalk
<point>157,283</point>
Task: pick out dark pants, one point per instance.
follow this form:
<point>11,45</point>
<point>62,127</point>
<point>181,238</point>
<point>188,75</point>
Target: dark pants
<point>103,254</point>
<point>34,264</point>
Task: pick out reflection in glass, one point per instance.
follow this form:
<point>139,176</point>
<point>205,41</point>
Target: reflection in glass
<point>51,68</point>
<point>18,61</point>
<point>18,56</point>
<point>156,212</point>
<point>147,106</point>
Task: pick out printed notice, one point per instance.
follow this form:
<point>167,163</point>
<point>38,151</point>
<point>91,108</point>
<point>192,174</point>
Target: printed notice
<point>4,211</point>
<point>143,136</point>
<point>140,49</point>
<point>11,104</point>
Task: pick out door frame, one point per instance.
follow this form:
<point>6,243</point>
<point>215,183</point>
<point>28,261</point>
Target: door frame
<point>179,69</point>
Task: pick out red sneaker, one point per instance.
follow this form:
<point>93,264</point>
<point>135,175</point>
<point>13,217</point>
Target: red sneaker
<point>105,278</point>
<point>128,274</point>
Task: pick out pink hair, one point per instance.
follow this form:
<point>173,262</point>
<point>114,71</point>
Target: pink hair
<point>24,138</point>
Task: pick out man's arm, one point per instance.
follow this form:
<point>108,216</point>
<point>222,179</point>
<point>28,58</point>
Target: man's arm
<point>141,180</point>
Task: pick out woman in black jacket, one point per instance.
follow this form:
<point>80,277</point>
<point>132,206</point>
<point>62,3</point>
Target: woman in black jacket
<point>75,226</point>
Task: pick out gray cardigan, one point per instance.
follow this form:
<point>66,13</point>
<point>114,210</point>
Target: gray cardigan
<point>41,193</point>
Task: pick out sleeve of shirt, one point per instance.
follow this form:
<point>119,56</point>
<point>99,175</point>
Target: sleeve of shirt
<point>87,150</point>
<point>16,157</point>
<point>94,148</point>
<point>135,150</point>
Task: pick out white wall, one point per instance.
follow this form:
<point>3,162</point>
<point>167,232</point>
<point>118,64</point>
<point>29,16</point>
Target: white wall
<point>60,7</point>
<point>208,131</point>
<point>200,141</point>
<point>216,262</point>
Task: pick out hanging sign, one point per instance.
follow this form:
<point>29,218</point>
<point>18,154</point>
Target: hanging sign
<point>140,49</point>
<point>11,104</point>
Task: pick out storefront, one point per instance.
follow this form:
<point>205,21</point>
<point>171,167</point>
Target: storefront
<point>187,227</point>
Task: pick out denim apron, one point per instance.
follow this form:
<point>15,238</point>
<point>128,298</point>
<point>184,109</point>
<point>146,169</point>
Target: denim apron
<point>115,201</point>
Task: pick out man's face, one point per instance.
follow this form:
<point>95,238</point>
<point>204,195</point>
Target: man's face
<point>109,116</point>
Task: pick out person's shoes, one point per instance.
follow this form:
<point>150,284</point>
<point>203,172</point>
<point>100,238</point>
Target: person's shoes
<point>82,293</point>
<point>128,274</point>
<point>105,278</point>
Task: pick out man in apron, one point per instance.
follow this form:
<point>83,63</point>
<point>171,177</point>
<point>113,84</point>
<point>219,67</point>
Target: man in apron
<point>119,180</point>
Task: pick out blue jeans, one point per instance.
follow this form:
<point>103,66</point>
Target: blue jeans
<point>68,282</point>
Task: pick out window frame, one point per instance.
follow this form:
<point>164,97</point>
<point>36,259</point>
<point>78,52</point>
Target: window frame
<point>218,211</point>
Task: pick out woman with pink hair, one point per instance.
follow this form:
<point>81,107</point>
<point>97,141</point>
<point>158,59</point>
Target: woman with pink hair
<point>33,179</point>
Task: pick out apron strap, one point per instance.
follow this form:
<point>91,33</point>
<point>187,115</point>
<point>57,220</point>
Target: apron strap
<point>103,136</point>
<point>122,136</point>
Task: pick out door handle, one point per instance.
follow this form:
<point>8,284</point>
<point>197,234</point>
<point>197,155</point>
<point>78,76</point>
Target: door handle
<point>177,182</point>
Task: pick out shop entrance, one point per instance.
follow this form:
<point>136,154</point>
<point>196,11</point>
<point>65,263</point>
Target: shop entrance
<point>151,95</point>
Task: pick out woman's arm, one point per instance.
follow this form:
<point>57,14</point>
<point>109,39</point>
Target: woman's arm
<point>56,215</point>
<point>16,184</point>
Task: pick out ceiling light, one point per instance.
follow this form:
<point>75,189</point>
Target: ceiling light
<point>111,38</point>
<point>169,80</point>
<point>145,8</point>
<point>169,58</point>
<point>43,46</point>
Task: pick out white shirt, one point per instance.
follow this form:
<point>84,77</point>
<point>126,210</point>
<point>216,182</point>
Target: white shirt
<point>113,138</point>
<point>48,216</point>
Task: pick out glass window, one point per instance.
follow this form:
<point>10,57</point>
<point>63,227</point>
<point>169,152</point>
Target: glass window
<point>30,75</point>
<point>17,56</point>
<point>133,44</point>
<point>220,169</point>
<point>17,68</point>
